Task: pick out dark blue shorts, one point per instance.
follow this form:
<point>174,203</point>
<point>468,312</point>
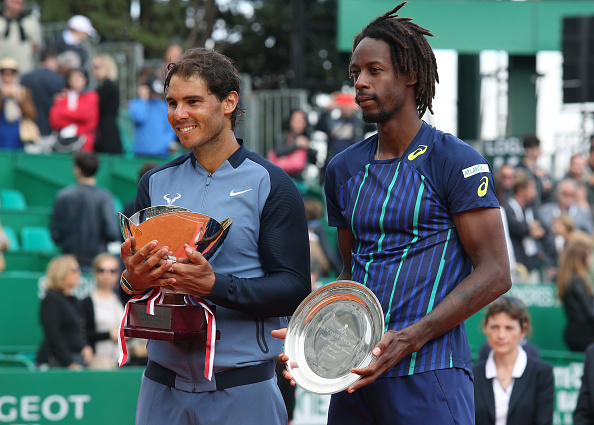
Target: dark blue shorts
<point>444,397</point>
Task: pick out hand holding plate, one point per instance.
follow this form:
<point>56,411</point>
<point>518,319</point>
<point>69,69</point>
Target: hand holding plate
<point>391,349</point>
<point>282,358</point>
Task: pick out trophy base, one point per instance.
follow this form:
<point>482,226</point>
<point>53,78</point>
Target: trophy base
<point>161,335</point>
<point>174,323</point>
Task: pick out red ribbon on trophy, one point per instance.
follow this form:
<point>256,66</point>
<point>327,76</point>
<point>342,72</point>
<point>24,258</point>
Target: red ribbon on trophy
<point>155,296</point>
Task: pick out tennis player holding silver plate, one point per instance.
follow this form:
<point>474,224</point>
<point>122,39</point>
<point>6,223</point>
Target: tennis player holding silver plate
<point>333,331</point>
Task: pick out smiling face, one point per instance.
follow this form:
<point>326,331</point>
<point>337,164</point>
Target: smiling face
<point>382,91</point>
<point>198,117</point>
<point>503,333</point>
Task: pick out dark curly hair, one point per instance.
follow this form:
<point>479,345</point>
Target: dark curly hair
<point>217,71</point>
<point>411,52</point>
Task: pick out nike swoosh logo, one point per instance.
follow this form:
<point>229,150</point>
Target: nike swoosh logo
<point>233,193</point>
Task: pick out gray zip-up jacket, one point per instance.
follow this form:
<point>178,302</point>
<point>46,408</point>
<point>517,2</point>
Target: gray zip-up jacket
<point>262,268</point>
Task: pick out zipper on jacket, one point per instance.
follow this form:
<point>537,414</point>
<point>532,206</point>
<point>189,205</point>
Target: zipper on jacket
<point>191,367</point>
<point>208,180</point>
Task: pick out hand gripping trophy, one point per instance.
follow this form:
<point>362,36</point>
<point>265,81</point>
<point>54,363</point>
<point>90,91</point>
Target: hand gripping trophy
<point>161,314</point>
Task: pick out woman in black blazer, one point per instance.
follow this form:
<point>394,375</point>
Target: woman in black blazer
<point>510,387</point>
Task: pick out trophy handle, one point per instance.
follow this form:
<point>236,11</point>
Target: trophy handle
<point>126,226</point>
<point>225,226</point>
<point>226,223</point>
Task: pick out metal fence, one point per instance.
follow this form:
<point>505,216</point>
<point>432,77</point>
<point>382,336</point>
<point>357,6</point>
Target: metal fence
<point>266,114</point>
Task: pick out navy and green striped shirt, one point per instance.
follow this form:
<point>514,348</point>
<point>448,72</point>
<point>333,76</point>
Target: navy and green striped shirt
<point>407,250</point>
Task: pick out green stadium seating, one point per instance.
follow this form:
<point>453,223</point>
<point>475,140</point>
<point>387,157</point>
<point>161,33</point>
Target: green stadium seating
<point>32,216</point>
<point>22,330</point>
<point>17,360</point>
<point>37,238</point>
<point>117,204</point>
<point>12,199</point>
<point>15,245</point>
<point>27,260</point>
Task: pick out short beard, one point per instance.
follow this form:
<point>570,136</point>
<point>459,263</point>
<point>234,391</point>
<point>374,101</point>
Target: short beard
<point>378,117</point>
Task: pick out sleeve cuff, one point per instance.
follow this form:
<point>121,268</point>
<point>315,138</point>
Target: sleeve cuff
<point>221,288</point>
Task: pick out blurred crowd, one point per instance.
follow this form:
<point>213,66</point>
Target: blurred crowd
<point>56,95</point>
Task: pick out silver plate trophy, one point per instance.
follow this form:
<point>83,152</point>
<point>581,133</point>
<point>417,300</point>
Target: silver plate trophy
<point>177,318</point>
<point>332,331</point>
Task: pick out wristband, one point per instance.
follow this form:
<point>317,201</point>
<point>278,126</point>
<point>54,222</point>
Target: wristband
<point>127,288</point>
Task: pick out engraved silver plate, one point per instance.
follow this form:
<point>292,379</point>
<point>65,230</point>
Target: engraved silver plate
<point>332,331</point>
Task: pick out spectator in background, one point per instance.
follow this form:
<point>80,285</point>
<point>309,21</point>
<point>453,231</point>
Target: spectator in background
<point>500,191</point>
<point>45,82</point>
<point>83,218</point>
<point>20,34</point>
<point>76,36</point>
<point>105,72</point>
<point>565,205</point>
<point>562,227</point>
<point>153,136</point>
<point>574,289</point>
<point>577,171</point>
<point>505,175</point>
<point>104,311</point>
<point>590,176</point>
<point>345,126</point>
<point>129,207</point>
<point>584,409</point>
<point>525,231</point>
<point>511,387</point>
<point>291,150</point>
<point>529,164</point>
<point>66,61</point>
<point>65,342</point>
<point>172,53</point>
<point>16,104</point>
<point>75,114</point>
<point>530,349</point>
<point>325,255</point>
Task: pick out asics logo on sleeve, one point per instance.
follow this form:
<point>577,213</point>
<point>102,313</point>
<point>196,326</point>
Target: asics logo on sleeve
<point>418,151</point>
<point>482,189</point>
<point>233,193</point>
<point>169,200</point>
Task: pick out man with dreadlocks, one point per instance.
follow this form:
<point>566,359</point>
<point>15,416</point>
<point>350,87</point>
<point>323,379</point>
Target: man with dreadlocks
<point>418,223</point>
